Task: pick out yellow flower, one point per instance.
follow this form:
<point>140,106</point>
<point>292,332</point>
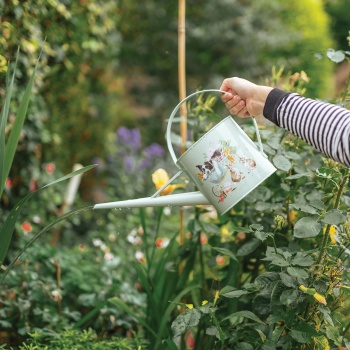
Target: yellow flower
<point>160,177</point>
<point>204,302</point>
<point>292,215</point>
<point>190,306</point>
<point>216,296</point>
<point>320,298</point>
<point>332,233</point>
<point>303,288</point>
<point>227,151</point>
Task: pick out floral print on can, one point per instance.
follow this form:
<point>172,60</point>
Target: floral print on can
<point>224,168</point>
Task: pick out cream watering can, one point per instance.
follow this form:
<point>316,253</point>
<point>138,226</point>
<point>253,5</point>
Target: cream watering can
<point>225,165</point>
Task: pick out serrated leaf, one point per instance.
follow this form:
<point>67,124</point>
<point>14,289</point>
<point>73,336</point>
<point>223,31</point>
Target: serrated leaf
<point>287,280</point>
<point>281,162</point>
<point>307,227</point>
<point>279,261</point>
<point>288,296</point>
<point>185,321</point>
<point>296,272</point>
<point>261,235</point>
<point>234,293</point>
<point>245,314</point>
<point>302,261</point>
<point>334,217</point>
<point>303,333</point>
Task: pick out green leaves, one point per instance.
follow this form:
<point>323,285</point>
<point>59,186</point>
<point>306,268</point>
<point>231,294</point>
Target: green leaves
<point>8,150</point>
<point>281,162</point>
<point>245,314</point>
<point>303,332</point>
<point>307,227</point>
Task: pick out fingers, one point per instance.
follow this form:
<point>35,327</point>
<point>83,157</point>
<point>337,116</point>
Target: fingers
<point>235,104</point>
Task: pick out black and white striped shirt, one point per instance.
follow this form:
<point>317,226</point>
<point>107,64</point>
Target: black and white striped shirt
<point>323,125</point>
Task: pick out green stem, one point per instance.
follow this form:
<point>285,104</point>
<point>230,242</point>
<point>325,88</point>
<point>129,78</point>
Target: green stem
<point>328,227</point>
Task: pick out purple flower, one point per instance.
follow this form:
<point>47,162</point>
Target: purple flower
<point>129,137</point>
<point>129,164</point>
<point>154,151</point>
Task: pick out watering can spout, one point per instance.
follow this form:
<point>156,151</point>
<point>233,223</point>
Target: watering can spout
<point>181,199</point>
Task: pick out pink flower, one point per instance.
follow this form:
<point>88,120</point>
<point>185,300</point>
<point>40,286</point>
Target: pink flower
<point>26,226</point>
<point>50,168</point>
<point>8,183</point>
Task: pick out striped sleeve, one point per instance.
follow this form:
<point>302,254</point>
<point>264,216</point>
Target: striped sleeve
<point>323,125</point>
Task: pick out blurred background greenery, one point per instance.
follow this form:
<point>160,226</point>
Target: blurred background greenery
<point>110,63</point>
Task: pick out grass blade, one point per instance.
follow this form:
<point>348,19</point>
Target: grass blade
<point>3,121</point>
<point>9,225</point>
<point>11,145</point>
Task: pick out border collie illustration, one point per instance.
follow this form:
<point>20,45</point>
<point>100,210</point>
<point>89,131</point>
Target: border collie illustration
<point>213,169</point>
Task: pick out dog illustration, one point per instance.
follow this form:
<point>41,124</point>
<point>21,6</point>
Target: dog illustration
<point>212,166</point>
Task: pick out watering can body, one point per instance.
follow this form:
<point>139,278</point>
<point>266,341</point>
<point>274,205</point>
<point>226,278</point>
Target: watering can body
<point>225,164</point>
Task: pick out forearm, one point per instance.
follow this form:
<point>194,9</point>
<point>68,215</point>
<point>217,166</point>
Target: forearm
<point>322,125</point>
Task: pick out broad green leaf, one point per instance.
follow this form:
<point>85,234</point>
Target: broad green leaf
<point>234,293</point>
<point>288,280</point>
<point>248,247</point>
<point>303,332</point>
<point>288,296</point>
<point>262,236</point>
<point>326,314</point>
<point>9,224</point>
<point>334,217</point>
<point>226,252</point>
<point>298,176</point>
<point>302,261</point>
<point>296,272</point>
<point>212,331</point>
<point>281,162</point>
<point>279,261</point>
<point>185,321</point>
<point>292,155</point>
<point>245,314</point>
<point>304,207</point>
<point>307,227</point>
<point>333,334</point>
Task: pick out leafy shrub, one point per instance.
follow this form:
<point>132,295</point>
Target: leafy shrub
<point>73,339</point>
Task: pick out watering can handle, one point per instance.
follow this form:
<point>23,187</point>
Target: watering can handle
<point>170,121</point>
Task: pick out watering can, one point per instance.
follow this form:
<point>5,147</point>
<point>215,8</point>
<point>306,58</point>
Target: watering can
<point>225,165</point>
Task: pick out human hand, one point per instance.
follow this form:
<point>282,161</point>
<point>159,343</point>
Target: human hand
<point>244,98</point>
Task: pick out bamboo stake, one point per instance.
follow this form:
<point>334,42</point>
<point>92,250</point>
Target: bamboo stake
<point>182,90</point>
